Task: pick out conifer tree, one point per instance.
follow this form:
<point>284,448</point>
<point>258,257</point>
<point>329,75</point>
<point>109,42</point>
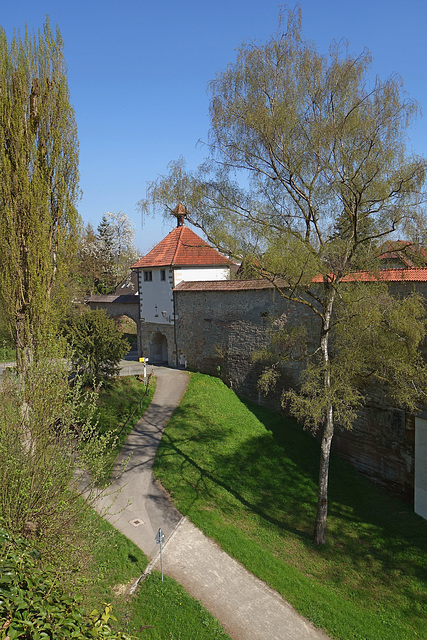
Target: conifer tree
<point>105,247</point>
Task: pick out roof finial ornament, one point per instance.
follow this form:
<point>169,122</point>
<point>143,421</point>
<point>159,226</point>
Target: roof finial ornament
<point>180,212</point>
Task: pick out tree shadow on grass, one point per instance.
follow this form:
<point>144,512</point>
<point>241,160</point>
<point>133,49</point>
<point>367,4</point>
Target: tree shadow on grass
<point>273,475</point>
<point>254,475</point>
<point>380,538</point>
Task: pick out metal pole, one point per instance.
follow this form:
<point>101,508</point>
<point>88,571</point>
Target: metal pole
<point>160,536</point>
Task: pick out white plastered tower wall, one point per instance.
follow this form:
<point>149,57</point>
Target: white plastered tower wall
<point>155,287</point>
<point>200,275</point>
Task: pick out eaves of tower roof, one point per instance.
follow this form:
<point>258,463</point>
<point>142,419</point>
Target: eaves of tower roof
<point>182,248</point>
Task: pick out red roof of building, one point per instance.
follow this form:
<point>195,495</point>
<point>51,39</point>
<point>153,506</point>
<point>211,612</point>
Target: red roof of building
<point>385,275</point>
<point>182,248</point>
<point>226,285</point>
<point>403,250</point>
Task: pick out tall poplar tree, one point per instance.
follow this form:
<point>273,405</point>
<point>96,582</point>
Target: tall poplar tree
<point>322,150</point>
<point>38,182</point>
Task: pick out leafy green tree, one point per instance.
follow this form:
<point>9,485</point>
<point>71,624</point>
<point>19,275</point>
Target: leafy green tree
<point>97,346</point>
<point>323,152</point>
<point>38,182</point>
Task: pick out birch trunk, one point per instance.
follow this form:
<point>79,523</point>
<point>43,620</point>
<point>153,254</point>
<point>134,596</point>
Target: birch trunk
<point>328,432</point>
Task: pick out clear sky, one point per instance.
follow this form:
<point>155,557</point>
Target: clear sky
<point>138,72</point>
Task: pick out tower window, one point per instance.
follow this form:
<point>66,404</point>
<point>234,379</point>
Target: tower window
<point>162,274</point>
<point>148,276</point>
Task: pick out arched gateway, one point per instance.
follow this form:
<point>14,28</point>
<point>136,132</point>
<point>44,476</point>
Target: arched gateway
<point>158,349</point>
<point>123,302</point>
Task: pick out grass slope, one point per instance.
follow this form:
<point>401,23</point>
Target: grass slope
<point>247,477</point>
<point>121,403</point>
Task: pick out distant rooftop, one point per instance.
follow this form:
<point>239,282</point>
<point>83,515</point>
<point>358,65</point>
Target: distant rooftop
<point>416,274</point>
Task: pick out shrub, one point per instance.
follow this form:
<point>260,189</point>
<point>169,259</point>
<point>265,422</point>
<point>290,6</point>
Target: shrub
<point>50,455</point>
<point>97,346</point>
<point>33,605</point>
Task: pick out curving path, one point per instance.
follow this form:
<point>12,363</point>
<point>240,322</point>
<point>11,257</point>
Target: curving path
<point>136,504</point>
<point>246,607</point>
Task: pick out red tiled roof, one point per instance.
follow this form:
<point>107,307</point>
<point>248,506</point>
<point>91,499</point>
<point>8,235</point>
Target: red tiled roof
<point>402,250</point>
<point>182,248</point>
<point>385,275</point>
<point>226,285</point>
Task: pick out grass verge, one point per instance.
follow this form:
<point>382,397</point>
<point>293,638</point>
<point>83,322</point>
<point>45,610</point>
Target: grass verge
<point>121,403</point>
<point>248,477</point>
<point>171,612</point>
<point>157,610</point>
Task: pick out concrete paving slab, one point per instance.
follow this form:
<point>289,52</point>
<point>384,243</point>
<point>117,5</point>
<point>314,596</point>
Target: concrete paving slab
<point>135,495</point>
<point>246,607</point>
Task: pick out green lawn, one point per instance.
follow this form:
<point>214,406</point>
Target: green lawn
<point>247,477</point>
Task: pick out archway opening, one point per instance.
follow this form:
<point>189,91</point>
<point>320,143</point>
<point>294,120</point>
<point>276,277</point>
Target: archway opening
<point>159,349</point>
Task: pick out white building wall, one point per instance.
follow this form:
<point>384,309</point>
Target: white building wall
<point>195,274</point>
<point>156,298</point>
<point>156,295</point>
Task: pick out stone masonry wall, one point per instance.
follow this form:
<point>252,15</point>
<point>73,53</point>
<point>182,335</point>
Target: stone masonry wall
<point>224,328</point>
<point>150,333</point>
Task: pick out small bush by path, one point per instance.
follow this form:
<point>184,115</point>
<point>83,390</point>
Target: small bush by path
<point>247,477</point>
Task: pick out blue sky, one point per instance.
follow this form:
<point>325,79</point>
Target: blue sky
<point>138,73</point>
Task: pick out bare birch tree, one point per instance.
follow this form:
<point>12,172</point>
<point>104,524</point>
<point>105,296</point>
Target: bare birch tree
<point>323,153</point>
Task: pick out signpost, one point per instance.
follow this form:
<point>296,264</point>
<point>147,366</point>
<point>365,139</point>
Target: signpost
<point>144,361</point>
<point>160,536</point>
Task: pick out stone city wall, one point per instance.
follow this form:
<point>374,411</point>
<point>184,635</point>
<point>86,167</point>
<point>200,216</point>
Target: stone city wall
<point>225,328</point>
<point>222,329</point>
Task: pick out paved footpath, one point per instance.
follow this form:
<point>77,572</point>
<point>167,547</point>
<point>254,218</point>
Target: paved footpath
<point>246,607</point>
